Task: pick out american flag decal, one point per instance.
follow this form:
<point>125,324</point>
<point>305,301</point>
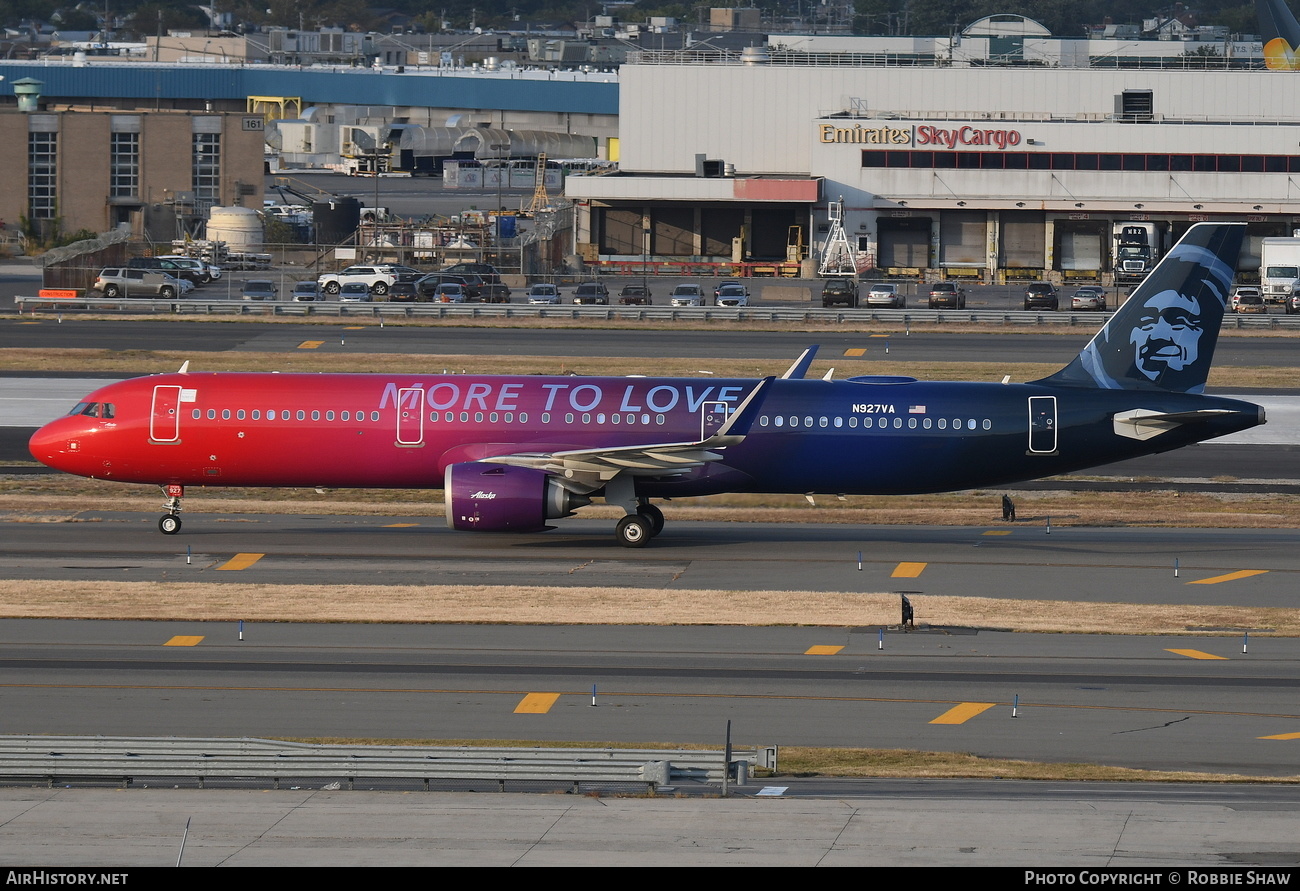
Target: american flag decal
<point>916,409</point>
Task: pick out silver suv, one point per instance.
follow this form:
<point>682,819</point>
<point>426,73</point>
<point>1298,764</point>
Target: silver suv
<point>121,281</point>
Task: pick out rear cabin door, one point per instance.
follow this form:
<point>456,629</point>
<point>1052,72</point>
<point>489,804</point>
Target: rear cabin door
<point>1042,425</point>
<point>165,416</point>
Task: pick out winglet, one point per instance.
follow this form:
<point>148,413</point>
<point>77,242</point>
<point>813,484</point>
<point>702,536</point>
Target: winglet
<point>742,418</point>
<point>800,367</point>
<point>185,366</point>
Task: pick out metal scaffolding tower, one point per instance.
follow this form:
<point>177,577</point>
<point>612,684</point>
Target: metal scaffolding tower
<point>838,257</point>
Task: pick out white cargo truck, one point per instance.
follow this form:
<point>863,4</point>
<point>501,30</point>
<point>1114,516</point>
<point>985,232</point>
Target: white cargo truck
<point>1279,267</point>
<point>1137,249</point>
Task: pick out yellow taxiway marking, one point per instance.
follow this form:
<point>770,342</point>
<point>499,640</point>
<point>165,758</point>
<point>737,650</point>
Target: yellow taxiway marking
<point>536,703</point>
<point>1282,736</point>
<point>1195,654</point>
<point>400,525</point>
<point>997,532</point>
<point>877,335</point>
<point>241,561</point>
<point>354,327</point>
<point>822,650</point>
<point>855,352</point>
<point>1230,577</point>
<point>907,570</point>
<point>310,344</point>
<point>184,640</point>
<point>960,714</point>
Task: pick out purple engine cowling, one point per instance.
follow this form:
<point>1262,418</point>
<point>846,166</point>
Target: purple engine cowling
<point>502,498</point>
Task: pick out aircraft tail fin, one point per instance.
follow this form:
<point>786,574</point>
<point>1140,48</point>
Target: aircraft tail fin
<point>1281,34</point>
<point>1163,336</point>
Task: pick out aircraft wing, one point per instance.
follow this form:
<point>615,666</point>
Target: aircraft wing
<point>590,469</point>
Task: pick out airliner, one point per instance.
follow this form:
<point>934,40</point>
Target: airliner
<point>1280,33</point>
<point>512,453</point>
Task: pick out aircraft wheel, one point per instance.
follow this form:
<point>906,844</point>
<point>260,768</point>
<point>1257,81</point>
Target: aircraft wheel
<point>633,531</point>
<point>654,515</point>
<point>169,524</point>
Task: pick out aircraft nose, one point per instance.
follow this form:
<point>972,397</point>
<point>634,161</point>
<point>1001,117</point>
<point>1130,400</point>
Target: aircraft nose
<point>59,445</point>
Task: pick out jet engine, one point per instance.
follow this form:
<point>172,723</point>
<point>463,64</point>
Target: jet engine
<point>501,498</point>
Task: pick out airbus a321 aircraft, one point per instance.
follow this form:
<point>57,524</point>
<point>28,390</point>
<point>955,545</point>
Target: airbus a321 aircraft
<point>513,453</point>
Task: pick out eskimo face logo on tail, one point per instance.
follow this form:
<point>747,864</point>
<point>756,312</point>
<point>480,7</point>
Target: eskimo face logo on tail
<point>1163,337</point>
<point>1168,335</point>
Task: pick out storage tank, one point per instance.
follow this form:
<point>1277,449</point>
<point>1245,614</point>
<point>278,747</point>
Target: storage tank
<point>238,227</point>
<point>336,219</point>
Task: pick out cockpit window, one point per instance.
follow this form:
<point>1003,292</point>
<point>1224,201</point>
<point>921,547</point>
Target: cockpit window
<point>93,409</point>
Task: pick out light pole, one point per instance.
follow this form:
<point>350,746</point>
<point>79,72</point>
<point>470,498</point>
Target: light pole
<point>497,148</point>
<point>645,254</point>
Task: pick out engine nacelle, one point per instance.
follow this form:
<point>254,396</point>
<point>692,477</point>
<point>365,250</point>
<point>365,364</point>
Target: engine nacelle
<point>501,498</point>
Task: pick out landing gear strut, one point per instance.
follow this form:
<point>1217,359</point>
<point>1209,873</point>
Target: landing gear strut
<point>170,523</point>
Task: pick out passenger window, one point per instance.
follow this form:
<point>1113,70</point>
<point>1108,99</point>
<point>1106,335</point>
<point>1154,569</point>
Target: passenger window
<point>523,417</point>
<point>240,414</point>
<point>196,414</point>
<point>315,416</point>
<point>302,415</point>
<point>212,414</point>
<point>329,415</point>
<point>225,414</point>
<point>257,414</point>
<point>345,416</point>
<point>374,416</point>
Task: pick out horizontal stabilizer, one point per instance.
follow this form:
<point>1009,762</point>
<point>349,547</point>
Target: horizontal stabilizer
<point>1143,423</point>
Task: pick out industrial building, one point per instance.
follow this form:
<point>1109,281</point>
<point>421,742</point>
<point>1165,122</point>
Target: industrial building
<point>946,170</point>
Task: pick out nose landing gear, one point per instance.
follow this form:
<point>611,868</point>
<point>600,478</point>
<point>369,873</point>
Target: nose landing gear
<point>170,523</point>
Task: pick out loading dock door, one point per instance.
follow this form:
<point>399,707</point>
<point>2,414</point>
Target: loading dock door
<point>904,243</point>
<point>1023,242</point>
<point>962,236</point>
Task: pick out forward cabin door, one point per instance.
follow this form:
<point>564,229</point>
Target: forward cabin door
<point>1042,425</point>
<point>165,415</point>
<point>410,417</point>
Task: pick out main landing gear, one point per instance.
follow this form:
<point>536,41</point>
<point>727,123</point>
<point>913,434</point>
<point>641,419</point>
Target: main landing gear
<point>636,529</point>
<point>170,522</point>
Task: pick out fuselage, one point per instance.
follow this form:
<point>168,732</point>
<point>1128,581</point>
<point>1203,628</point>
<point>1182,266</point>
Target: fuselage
<point>863,436</point>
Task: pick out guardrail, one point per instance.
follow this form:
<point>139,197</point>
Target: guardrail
<point>63,759</point>
<point>1085,320</point>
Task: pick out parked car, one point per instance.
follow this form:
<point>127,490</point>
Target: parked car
<point>1249,301</point>
<point>840,292</point>
<point>543,293</point>
<point>171,267</point>
<point>306,292</point>
<point>687,295</point>
<point>635,295</point>
<point>378,279</point>
<point>1042,295</point>
<point>494,292</point>
<point>205,272</point>
<point>731,294</point>
<point>116,281</point>
<point>1292,304</point>
<point>485,271</point>
<point>403,292</point>
<point>591,292</point>
<point>355,292</point>
<point>1089,297</point>
<point>947,295</point>
<point>428,285</point>
<point>887,295</point>
<point>449,292</point>
<point>258,289</point>
<point>1246,291</point>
